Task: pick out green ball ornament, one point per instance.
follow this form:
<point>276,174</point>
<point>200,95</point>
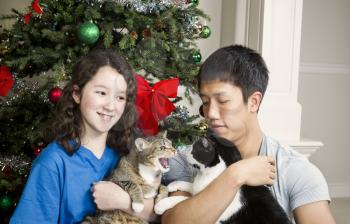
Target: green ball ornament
<point>88,32</point>
<point>179,144</point>
<point>193,2</point>
<point>196,57</point>
<point>5,202</point>
<point>22,171</point>
<point>205,33</point>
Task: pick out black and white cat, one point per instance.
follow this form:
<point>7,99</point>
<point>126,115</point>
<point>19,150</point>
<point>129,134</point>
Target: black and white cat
<point>252,205</point>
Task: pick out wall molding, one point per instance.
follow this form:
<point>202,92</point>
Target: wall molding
<point>324,68</point>
<point>304,146</point>
<point>339,190</point>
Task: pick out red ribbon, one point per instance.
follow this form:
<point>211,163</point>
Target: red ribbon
<point>26,18</point>
<point>36,7</point>
<point>152,103</point>
<point>6,80</point>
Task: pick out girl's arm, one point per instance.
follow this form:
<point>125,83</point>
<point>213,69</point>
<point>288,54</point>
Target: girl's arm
<point>209,204</point>
<point>109,196</point>
<point>40,200</point>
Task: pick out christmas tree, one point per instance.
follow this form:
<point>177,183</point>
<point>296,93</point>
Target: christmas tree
<point>37,54</point>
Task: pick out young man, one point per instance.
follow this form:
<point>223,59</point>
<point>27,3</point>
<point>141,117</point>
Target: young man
<point>232,83</point>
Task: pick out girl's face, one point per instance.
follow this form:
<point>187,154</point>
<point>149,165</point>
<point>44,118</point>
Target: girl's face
<point>102,101</point>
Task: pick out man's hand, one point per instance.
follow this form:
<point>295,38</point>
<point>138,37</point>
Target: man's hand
<point>254,171</point>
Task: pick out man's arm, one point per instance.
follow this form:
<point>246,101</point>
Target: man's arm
<point>209,204</point>
<point>308,193</point>
<point>109,196</point>
<point>314,213</point>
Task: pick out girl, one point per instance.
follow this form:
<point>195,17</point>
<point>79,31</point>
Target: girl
<point>93,128</point>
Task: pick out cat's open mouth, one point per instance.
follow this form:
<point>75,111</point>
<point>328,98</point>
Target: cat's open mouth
<point>164,162</point>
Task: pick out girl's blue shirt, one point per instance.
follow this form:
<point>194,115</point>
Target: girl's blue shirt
<point>58,189</point>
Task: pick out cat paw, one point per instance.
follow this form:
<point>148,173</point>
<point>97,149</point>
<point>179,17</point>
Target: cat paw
<point>150,194</point>
<point>161,206</point>
<point>167,203</point>
<point>137,207</point>
<point>179,186</point>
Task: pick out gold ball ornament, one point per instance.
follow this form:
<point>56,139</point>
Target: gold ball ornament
<point>3,49</point>
<point>202,126</point>
<point>134,35</point>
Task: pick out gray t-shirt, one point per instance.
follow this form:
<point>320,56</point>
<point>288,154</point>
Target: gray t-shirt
<point>298,181</point>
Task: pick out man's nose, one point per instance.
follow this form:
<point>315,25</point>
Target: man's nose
<point>213,111</point>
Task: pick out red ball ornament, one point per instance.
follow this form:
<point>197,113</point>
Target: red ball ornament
<point>146,33</point>
<point>55,94</point>
<point>37,150</point>
<point>6,170</point>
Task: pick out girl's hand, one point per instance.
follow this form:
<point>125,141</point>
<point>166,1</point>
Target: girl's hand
<point>110,196</point>
<point>255,171</point>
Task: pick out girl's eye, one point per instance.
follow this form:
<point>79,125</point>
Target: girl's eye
<point>120,98</point>
<point>102,93</point>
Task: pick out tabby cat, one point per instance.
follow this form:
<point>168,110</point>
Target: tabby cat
<point>139,173</point>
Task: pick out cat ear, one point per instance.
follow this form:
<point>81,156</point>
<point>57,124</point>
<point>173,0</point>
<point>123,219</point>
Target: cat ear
<point>205,142</point>
<point>164,134</point>
<point>141,144</point>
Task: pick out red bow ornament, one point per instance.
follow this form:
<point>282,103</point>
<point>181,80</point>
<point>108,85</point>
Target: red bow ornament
<point>152,103</point>
<point>26,18</point>
<point>6,80</point>
<point>36,7</point>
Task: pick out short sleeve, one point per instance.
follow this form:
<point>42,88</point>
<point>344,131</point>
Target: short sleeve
<point>40,200</point>
<point>305,183</point>
<point>180,170</point>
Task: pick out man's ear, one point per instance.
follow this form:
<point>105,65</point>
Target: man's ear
<point>76,94</point>
<point>254,101</point>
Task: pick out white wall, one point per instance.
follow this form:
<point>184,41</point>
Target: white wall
<point>207,46</point>
<point>6,6</point>
<point>213,10</point>
<point>324,84</point>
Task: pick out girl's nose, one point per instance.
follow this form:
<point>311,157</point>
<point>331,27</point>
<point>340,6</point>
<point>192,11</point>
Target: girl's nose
<point>110,104</point>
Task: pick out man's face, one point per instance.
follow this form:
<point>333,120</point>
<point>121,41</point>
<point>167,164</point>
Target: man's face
<point>224,109</point>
